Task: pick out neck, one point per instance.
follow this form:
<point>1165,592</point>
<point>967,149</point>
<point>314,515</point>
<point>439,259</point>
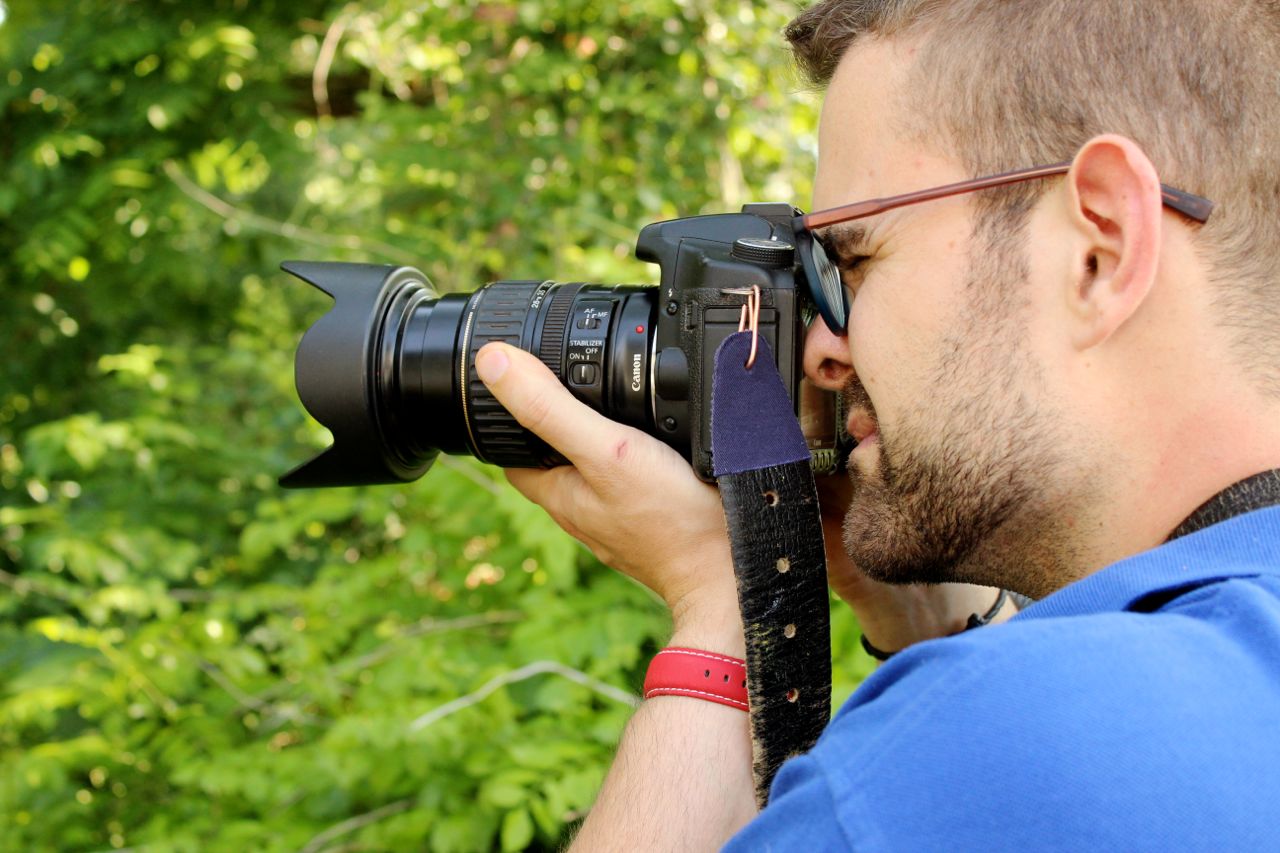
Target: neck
<point>1172,466</point>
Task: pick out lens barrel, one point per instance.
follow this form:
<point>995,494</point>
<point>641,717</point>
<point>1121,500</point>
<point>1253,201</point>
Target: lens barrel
<point>390,369</point>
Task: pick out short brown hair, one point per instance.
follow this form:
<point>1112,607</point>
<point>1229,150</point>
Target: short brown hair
<point>1196,83</point>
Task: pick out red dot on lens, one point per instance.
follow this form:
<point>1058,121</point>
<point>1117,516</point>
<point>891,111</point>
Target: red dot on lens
<point>639,330</point>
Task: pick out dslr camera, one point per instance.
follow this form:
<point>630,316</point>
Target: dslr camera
<point>390,369</point>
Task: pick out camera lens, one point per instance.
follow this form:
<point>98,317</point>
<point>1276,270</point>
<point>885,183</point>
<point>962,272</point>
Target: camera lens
<point>390,369</point>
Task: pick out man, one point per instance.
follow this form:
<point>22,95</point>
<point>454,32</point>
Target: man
<point>1049,379</point>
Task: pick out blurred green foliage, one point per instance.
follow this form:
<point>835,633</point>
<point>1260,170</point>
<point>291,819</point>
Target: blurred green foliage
<point>191,659</point>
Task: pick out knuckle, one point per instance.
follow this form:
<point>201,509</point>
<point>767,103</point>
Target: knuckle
<point>626,453</point>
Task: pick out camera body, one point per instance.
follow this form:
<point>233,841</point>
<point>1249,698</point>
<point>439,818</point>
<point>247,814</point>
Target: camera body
<point>390,369</point>
<point>706,263</point>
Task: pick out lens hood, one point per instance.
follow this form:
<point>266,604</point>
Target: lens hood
<point>345,368</point>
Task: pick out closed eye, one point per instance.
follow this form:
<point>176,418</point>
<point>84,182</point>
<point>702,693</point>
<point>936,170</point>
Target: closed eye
<point>852,270</point>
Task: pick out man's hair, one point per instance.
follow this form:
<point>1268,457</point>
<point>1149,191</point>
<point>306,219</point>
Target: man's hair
<point>1004,84</point>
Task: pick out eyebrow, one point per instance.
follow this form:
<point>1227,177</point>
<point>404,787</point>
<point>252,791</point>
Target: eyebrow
<point>846,240</point>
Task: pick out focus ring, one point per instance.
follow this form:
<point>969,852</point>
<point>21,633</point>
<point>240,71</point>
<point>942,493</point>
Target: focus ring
<point>551,347</point>
<point>500,314</point>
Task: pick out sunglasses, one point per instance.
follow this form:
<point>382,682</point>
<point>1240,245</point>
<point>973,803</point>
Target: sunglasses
<point>825,285</point>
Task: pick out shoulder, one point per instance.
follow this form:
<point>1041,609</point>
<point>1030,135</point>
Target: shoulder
<point>1054,732</point>
<point>1048,689</point>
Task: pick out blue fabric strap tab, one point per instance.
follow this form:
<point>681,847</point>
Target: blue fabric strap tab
<point>753,423</point>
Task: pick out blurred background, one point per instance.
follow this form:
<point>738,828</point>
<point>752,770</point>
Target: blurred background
<point>193,659</point>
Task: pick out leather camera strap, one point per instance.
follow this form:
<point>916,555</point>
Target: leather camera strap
<point>762,466</point>
<point>1256,492</point>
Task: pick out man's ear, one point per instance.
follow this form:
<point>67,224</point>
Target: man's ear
<point>1115,207</point>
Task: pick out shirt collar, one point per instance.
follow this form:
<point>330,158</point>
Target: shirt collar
<point>1245,546</point>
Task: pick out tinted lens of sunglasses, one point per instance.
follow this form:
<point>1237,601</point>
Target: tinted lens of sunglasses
<point>825,286</point>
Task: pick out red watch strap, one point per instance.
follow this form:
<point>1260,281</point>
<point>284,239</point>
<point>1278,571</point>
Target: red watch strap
<point>703,675</point>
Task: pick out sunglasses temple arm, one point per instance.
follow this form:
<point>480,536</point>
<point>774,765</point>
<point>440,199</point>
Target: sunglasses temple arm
<point>1194,206</point>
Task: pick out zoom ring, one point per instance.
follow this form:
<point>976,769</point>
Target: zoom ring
<point>501,313</point>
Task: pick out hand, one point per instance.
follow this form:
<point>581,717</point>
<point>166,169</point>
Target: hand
<point>628,497</point>
<point>682,778</point>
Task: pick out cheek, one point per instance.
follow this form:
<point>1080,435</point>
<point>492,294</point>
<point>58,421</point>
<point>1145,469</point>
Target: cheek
<point>892,339</point>
<point>903,325</point>
<point>864,341</point>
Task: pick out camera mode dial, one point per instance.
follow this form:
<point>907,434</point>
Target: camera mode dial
<point>765,253</point>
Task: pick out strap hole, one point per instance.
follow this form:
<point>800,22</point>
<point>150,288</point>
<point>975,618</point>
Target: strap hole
<point>726,679</point>
<point>784,565</point>
<point>789,631</point>
<point>793,695</point>
<point>771,497</point>
<point>706,674</point>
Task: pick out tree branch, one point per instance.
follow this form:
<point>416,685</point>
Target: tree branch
<point>135,674</point>
<point>466,470</point>
<point>288,230</point>
<point>23,586</point>
<point>542,667</point>
<point>324,61</point>
<point>352,824</point>
<point>426,626</point>
<point>383,651</point>
<point>251,702</point>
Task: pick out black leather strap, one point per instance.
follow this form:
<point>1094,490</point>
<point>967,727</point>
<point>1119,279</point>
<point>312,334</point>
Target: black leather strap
<point>771,508</point>
<point>776,534</point>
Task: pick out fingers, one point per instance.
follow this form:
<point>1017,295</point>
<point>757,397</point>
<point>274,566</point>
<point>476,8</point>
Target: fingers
<point>567,499</point>
<point>557,490</point>
<point>631,499</point>
<point>536,399</point>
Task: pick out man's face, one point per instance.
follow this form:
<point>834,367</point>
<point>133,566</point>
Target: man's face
<point>956,442</point>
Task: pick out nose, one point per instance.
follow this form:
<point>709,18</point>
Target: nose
<point>826,357</point>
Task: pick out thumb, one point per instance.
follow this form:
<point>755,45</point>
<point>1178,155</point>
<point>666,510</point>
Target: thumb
<point>540,403</point>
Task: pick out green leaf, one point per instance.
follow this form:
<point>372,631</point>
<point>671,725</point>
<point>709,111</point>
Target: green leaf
<point>461,833</point>
<point>502,793</point>
<point>517,830</point>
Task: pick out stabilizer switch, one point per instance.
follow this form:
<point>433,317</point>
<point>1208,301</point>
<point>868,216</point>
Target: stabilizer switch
<point>584,374</point>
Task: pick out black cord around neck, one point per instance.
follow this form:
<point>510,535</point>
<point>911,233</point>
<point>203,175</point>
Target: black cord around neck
<point>1256,492</point>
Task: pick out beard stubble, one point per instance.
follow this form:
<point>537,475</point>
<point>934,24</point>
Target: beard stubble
<point>963,490</point>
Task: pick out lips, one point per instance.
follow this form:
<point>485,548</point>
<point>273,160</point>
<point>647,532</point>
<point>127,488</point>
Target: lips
<point>861,425</point>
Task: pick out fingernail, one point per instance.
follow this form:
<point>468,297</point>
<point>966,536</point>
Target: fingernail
<point>491,363</point>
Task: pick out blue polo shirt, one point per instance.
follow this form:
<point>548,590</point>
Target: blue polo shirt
<point>1137,709</point>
